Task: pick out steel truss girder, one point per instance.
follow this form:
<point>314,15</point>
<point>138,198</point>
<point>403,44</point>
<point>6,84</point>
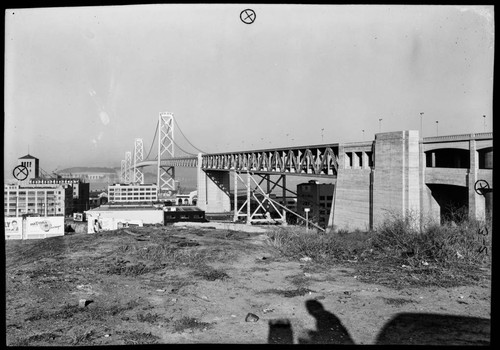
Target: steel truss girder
<point>318,160</point>
<point>239,212</point>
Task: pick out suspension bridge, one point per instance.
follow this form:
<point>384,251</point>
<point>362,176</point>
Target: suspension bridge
<point>397,172</point>
<point>313,161</point>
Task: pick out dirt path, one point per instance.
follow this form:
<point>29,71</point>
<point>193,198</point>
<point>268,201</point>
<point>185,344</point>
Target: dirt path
<point>208,303</point>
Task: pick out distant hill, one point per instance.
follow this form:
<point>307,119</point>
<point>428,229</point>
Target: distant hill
<point>82,169</point>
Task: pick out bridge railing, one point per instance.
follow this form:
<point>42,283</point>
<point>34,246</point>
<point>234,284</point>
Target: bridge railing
<point>460,137</point>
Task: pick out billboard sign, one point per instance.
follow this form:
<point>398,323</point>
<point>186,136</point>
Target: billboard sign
<point>78,216</point>
<point>45,225</point>
<point>13,226</point>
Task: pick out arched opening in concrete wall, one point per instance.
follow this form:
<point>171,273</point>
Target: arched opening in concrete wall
<point>447,158</point>
<point>485,156</point>
<point>453,202</point>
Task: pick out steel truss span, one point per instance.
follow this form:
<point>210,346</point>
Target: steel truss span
<point>311,160</point>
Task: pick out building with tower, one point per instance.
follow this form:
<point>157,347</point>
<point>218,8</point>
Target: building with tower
<point>32,164</point>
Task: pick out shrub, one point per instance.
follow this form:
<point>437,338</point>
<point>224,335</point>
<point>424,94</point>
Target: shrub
<point>398,239</point>
<point>320,246</point>
<point>462,240</point>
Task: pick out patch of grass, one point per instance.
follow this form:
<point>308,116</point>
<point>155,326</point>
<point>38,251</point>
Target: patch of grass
<point>211,274</point>
<point>90,313</point>
<point>189,323</point>
<point>288,293</point>
<point>166,255</point>
<point>67,311</point>
<point>151,318</point>
<point>138,338</point>
<point>43,337</point>
<point>299,281</point>
<point>398,301</point>
<point>122,268</point>
<point>323,248</point>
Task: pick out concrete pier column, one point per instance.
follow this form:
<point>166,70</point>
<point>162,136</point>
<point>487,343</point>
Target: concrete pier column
<point>477,202</point>
<point>213,190</point>
<point>365,161</point>
<point>355,160</point>
<point>396,175</point>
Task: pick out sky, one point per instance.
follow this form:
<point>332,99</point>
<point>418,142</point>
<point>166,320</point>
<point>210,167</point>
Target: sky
<point>81,83</point>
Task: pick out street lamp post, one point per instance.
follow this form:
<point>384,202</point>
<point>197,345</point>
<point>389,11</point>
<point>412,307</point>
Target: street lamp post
<point>437,128</point>
<point>484,123</point>
<point>363,134</point>
<point>307,218</point>
<point>380,125</point>
<point>421,130</point>
<point>322,135</point>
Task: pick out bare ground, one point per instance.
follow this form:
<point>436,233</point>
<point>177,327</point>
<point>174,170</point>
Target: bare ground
<point>156,285</point>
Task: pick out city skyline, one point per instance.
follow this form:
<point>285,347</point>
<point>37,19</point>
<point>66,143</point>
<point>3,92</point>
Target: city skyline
<point>81,83</point>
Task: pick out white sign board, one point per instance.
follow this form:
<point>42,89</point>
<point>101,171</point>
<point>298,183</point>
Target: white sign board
<point>13,227</point>
<point>46,226</point>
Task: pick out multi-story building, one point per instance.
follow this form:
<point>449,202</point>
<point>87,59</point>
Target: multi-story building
<point>50,200</point>
<point>80,190</point>
<point>132,193</point>
<point>318,198</point>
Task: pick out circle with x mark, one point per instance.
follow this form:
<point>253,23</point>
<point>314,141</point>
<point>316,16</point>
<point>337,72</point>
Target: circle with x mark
<point>248,16</point>
<point>481,186</point>
<point>20,172</point>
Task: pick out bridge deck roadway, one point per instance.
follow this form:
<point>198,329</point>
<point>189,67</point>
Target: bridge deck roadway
<point>318,160</point>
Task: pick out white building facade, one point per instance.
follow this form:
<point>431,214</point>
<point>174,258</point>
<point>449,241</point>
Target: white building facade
<point>132,193</point>
<point>50,200</point>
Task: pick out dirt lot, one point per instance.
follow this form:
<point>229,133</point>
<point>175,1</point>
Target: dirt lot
<point>158,284</point>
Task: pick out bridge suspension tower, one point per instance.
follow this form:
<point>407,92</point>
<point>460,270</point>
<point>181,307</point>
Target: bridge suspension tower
<point>165,174</point>
<point>138,157</point>
<point>128,168</point>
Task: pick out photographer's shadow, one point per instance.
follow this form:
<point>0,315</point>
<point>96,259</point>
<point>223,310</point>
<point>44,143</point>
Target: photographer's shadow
<point>329,329</point>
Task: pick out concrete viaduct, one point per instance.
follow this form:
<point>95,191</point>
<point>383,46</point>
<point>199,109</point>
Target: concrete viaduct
<point>396,173</point>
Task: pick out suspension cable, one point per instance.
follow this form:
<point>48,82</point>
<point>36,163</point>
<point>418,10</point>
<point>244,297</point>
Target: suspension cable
<point>187,138</point>
<point>191,154</point>
<point>153,142</point>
